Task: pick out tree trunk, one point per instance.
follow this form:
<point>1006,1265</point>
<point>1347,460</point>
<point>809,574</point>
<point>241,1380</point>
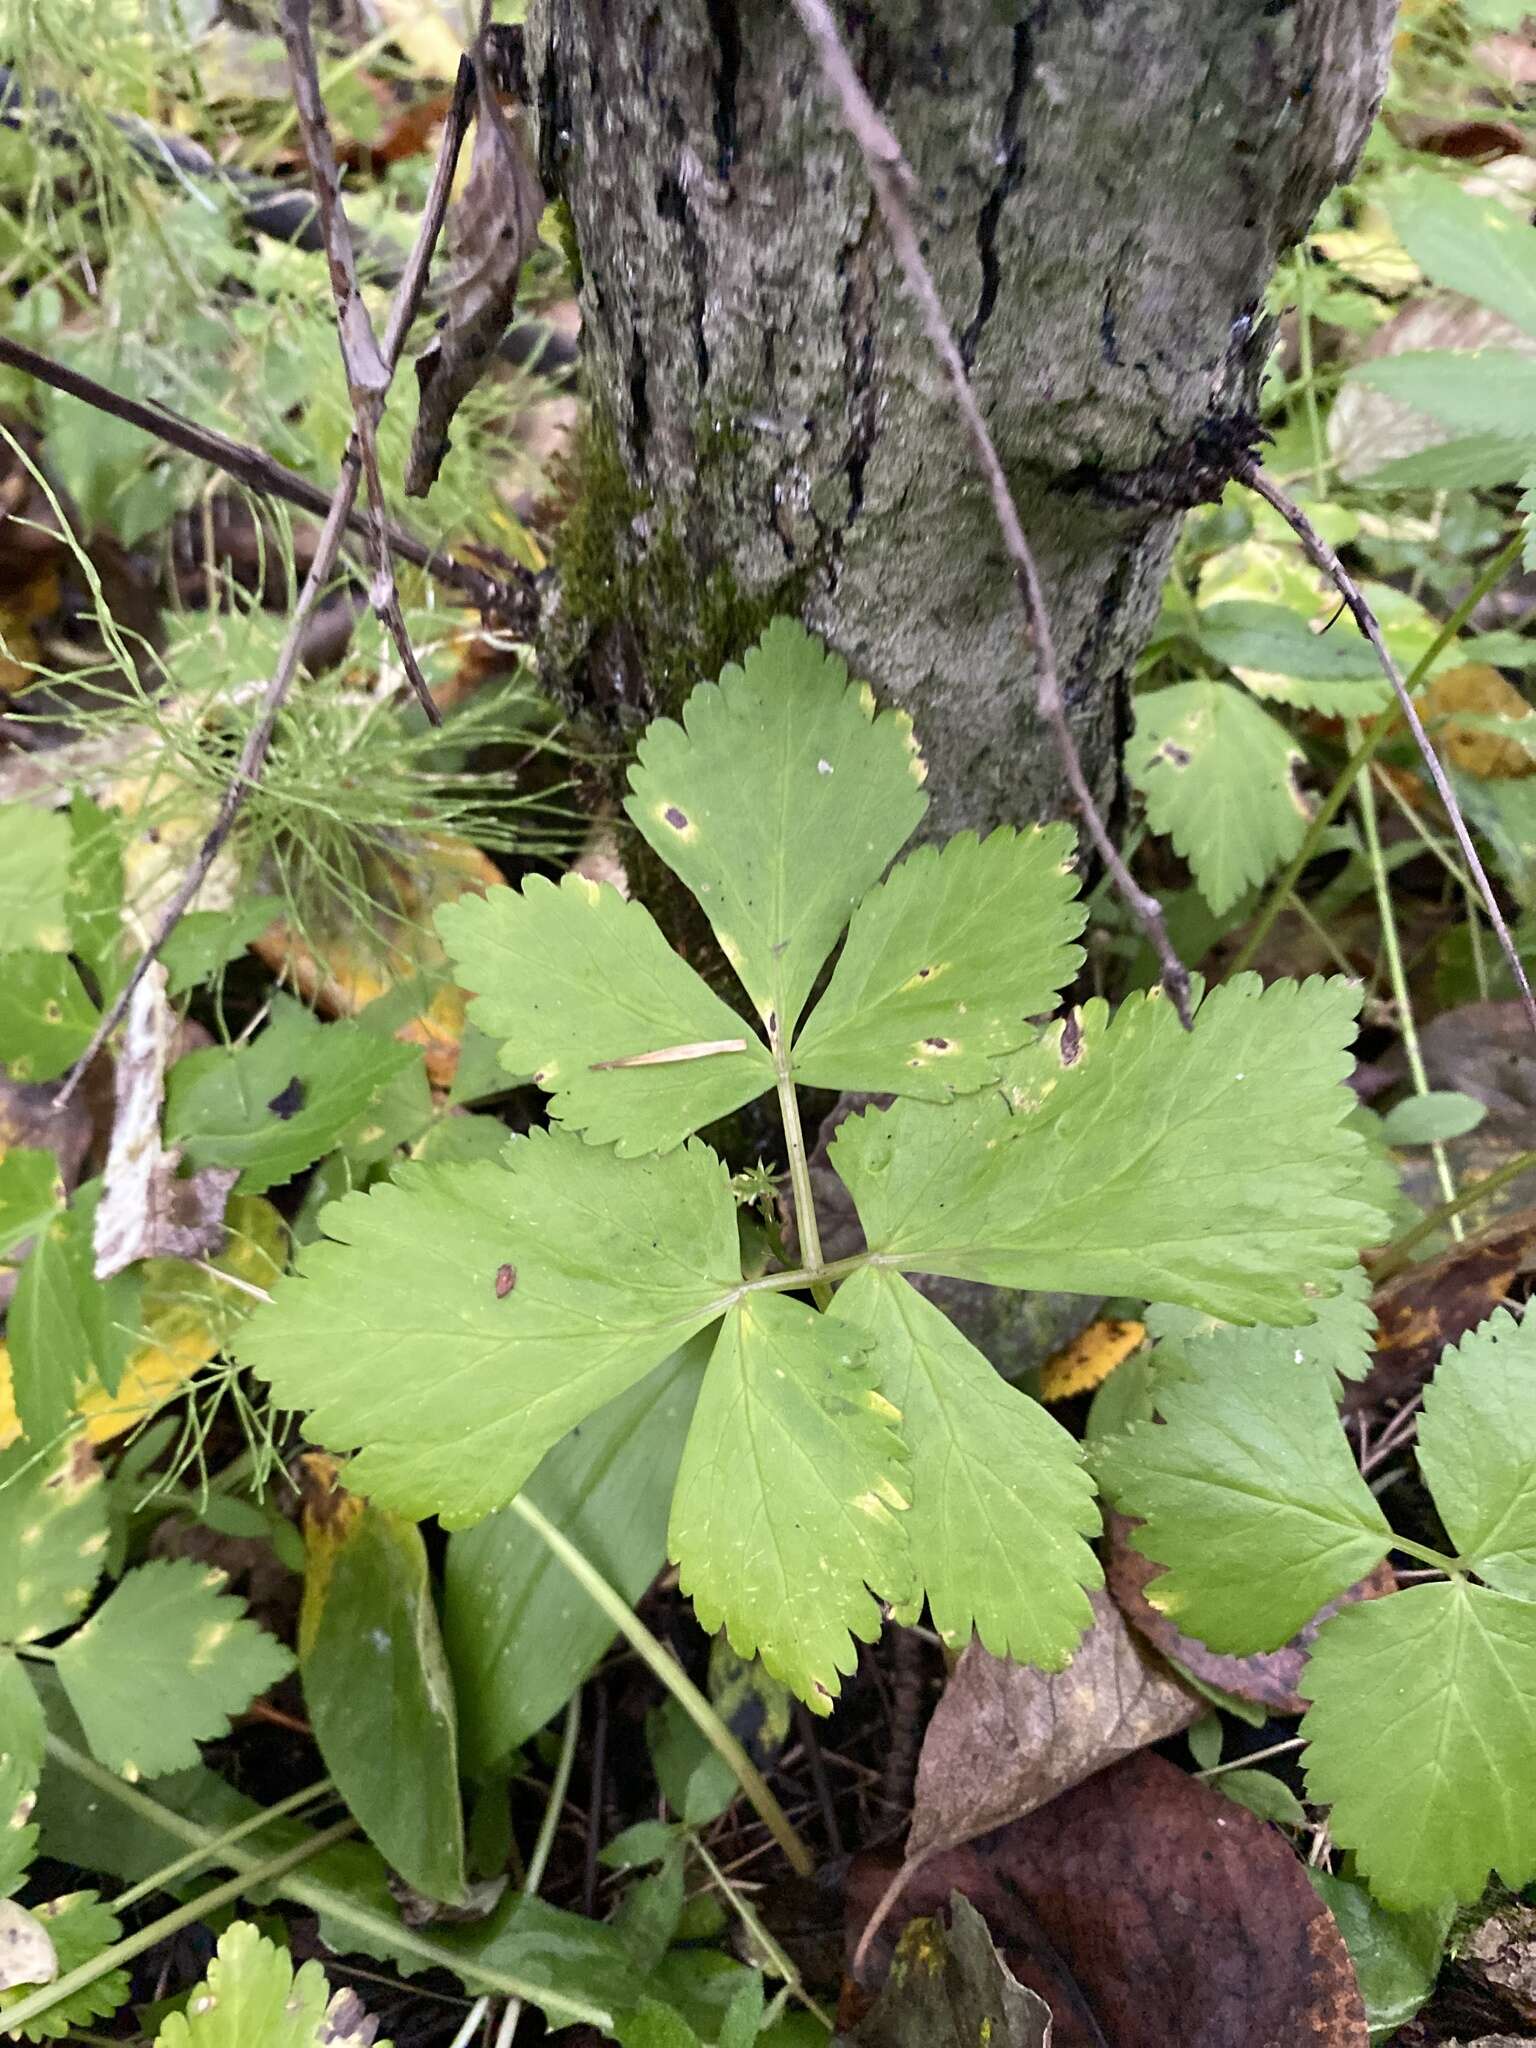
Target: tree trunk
<point>1107,185</point>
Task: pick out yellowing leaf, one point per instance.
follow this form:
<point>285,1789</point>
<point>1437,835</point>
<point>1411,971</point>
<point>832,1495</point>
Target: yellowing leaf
<point>1471,742</point>
<point>1090,1358</point>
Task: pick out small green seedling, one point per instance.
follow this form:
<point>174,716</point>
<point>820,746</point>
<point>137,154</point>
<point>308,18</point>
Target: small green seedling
<point>851,1449</point>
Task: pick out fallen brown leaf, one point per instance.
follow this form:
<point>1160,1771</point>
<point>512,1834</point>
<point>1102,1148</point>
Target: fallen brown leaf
<point>1434,1304</point>
<point>1149,1912</point>
<point>1006,1738</point>
<point>1268,1679</point>
<point>949,1988</point>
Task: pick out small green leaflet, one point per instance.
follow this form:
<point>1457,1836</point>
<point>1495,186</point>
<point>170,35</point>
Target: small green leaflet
<point>1210,1167</point>
<point>66,1327</point>
<point>787,1514</point>
<point>521,1635</point>
<point>779,801</point>
<point>1001,1505</point>
<point>1270,639</point>
<point>1336,1343</point>
<point>253,1998</point>
<point>591,1001</point>
<point>162,1664</point>
<point>377,1688</point>
<point>1477,1450</point>
<point>34,872</point>
<point>467,1317</point>
<point>53,1535</point>
<point>945,964</point>
<point>274,1106</point>
<point>80,1926</point>
<point>21,1728</point>
<point>1427,1119</point>
<point>1250,1496</point>
<point>30,1194</point>
<point>206,940</point>
<point>1421,1732</point>
<point>46,1017</point>
<point>18,1832</point>
<point>1218,776</point>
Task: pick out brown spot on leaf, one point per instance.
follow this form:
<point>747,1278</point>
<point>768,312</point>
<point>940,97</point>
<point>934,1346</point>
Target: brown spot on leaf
<point>923,973</point>
<point>937,1044</point>
<point>1175,755</point>
<point>506,1280</point>
<point>1071,1039</point>
<point>677,819</point>
<point>288,1101</point>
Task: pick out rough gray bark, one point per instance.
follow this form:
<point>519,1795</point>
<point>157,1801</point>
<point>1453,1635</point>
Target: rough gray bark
<point>1108,185</point>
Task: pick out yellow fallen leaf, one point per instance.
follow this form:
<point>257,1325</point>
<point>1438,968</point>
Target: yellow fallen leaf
<point>1481,692</point>
<point>1090,1358</point>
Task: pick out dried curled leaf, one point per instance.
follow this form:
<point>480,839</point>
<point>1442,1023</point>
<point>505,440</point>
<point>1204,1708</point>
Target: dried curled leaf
<point>491,230</point>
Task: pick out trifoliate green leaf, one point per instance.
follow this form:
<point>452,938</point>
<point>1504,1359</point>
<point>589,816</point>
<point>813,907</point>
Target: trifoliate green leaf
<point>468,1316</point>
<point>34,871</point>
<point>591,1001</point>
<point>945,963</point>
<point>779,801</point>
<point>1422,1728</point>
<point>1477,1450</point>
<point>1000,1501</point>
<point>1218,776</point>
<point>53,1534</point>
<point>253,1998</point>
<point>276,1105</point>
<point>30,1193</point>
<point>162,1664</point>
<point>80,1927</point>
<point>1336,1343</point>
<point>1210,1167</point>
<point>788,1503</point>
<point>46,1017</point>
<point>1250,1496</point>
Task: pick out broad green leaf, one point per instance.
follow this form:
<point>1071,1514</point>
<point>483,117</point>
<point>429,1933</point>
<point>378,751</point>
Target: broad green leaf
<point>276,1105</point>
<point>1336,1343</point>
<point>80,1927</point>
<point>654,2025</point>
<point>1470,462</point>
<point>68,1330</point>
<point>575,978</point>
<point>1245,633</point>
<point>1421,1732</point>
<point>53,1532</point>
<point>1001,1504</point>
<point>378,1690</point>
<point>1218,776</point>
<point>1264,1794</point>
<point>1210,1167</point>
<point>1489,391</point>
<point>46,1017</point>
<point>1249,1494</point>
<point>1429,1118</point>
<point>1396,1955</point>
<point>30,1194</point>
<point>945,963</point>
<point>787,1516</point>
<point>162,1664</point>
<point>1469,242</point>
<point>468,1316</point>
<point>34,870</point>
<point>1477,1450</point>
<point>779,801</point>
<point>521,1634</point>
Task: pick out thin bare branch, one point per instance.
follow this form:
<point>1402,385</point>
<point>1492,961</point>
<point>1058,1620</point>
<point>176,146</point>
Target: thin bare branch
<point>1317,548</point>
<point>368,374</point>
<point>514,603</point>
<point>253,754</point>
<point>893,182</point>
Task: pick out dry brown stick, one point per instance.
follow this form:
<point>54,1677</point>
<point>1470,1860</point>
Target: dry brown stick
<point>269,479</point>
<point>893,181</point>
<point>368,374</point>
<point>254,753</point>
<point>1249,472</point>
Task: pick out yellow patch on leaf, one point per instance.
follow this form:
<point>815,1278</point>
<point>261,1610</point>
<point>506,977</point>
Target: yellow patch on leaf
<point>1090,1358</point>
<point>1477,692</point>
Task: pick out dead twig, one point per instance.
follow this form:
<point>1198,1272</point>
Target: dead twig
<point>253,754</point>
<point>368,375</point>
<point>893,181</point>
<point>515,604</point>
<point>1249,472</point>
